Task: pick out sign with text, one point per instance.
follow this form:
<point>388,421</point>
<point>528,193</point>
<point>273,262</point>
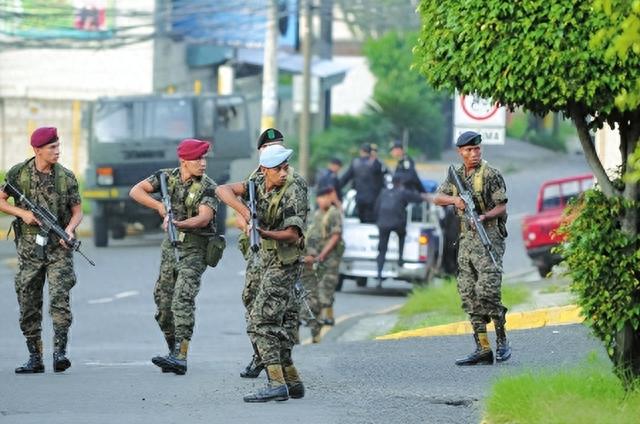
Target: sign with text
<point>473,113</point>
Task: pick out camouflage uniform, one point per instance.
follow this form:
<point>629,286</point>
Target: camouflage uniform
<point>479,281</point>
<point>254,272</point>
<point>309,277</point>
<point>273,309</point>
<point>179,282</point>
<point>57,264</point>
<point>329,223</point>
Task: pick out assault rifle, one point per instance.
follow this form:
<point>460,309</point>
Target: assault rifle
<point>254,236</point>
<point>48,223</point>
<point>172,231</point>
<point>471,215</point>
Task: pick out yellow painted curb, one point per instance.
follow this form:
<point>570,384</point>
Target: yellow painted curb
<point>561,315</point>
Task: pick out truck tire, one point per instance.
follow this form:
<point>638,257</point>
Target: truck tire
<point>118,231</point>
<point>100,231</point>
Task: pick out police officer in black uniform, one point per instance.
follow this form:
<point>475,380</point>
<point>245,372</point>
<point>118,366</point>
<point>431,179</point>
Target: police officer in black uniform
<point>391,210</point>
<point>368,179</point>
<point>328,177</point>
<point>406,169</point>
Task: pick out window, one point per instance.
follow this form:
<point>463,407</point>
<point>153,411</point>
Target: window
<point>113,122</point>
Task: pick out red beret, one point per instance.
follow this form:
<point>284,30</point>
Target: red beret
<point>43,136</point>
<point>192,149</point>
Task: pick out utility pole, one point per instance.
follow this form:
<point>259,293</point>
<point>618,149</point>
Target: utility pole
<point>305,117</point>
<point>270,69</point>
<point>326,50</point>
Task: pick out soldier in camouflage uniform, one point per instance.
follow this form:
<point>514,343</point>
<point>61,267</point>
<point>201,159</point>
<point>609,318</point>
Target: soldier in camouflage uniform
<point>479,280</point>
<point>194,204</point>
<point>48,184</point>
<point>327,221</point>
<point>281,210</point>
<point>270,136</point>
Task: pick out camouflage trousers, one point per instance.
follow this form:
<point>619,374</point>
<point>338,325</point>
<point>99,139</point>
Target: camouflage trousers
<point>177,287</point>
<point>328,275</point>
<point>57,268</point>
<point>479,281</point>
<point>310,282</point>
<point>274,312</point>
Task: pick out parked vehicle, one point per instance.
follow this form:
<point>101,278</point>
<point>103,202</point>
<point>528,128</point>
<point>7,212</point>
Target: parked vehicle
<point>538,230</point>
<point>131,137</point>
<point>423,249</point>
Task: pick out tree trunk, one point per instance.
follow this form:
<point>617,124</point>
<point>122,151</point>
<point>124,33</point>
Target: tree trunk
<point>626,355</point>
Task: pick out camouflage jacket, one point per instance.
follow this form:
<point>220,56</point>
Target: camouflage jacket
<point>493,193</point>
<point>186,199</point>
<point>323,225</point>
<point>42,190</point>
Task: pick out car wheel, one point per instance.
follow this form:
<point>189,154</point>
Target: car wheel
<point>361,281</point>
<point>544,269</point>
<point>340,281</point>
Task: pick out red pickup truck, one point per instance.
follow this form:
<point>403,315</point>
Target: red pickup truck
<point>538,229</point>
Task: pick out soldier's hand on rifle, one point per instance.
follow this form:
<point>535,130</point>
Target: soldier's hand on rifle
<point>309,260</point>
<point>459,203</point>
<point>161,211</point>
<point>29,218</point>
<point>165,223</point>
<point>71,237</point>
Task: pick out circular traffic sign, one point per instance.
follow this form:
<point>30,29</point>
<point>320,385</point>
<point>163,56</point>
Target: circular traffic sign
<point>478,108</point>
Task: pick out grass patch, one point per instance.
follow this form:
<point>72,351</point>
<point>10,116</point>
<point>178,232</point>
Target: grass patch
<point>431,305</point>
<point>588,394</point>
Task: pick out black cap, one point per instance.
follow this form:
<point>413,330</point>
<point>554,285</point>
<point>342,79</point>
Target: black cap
<point>270,135</point>
<point>397,144</point>
<point>469,138</point>
<point>336,161</point>
<point>325,189</point>
<point>366,147</point>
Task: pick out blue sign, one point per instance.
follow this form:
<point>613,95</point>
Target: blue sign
<point>237,23</point>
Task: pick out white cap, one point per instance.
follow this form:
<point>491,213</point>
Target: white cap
<point>274,155</point>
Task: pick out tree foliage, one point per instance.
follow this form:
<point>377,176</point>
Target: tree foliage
<point>404,99</point>
<point>557,56</point>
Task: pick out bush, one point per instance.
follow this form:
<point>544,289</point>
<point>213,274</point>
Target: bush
<point>604,267</point>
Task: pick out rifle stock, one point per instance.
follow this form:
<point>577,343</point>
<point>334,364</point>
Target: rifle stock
<point>471,215</point>
<point>48,221</point>
<point>172,231</point>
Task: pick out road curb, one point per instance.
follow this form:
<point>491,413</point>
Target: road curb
<point>561,315</point>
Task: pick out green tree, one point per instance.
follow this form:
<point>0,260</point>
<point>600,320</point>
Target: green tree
<point>539,55</point>
<point>404,99</point>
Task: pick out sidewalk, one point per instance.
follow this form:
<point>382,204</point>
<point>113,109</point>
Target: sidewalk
<point>551,304</point>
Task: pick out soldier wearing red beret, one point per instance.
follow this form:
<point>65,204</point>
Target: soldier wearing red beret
<point>47,184</point>
<point>194,204</point>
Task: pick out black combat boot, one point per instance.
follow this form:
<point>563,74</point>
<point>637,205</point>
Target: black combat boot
<point>176,361</point>
<point>503,349</point>
<point>276,388</point>
<point>60,360</point>
<point>254,368</point>
<point>171,344</point>
<point>34,364</point>
<point>483,355</point>
<point>294,383</point>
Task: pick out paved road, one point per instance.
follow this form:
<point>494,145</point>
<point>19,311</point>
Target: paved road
<point>114,335</point>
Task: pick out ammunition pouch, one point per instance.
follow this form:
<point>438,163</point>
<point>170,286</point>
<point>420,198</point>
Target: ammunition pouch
<point>287,253</point>
<point>243,245</point>
<point>215,248</point>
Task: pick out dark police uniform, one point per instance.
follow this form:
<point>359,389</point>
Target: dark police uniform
<point>368,179</point>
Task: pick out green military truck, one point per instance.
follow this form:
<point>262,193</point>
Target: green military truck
<point>132,137</point>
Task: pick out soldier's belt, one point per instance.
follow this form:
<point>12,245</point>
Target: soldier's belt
<point>269,244</point>
<point>195,239</point>
<point>29,229</point>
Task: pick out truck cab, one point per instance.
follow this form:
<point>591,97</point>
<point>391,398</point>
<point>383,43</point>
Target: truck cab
<point>131,137</point>
<point>539,229</point>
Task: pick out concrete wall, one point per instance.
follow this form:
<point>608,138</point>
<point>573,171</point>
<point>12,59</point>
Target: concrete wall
<point>20,116</point>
